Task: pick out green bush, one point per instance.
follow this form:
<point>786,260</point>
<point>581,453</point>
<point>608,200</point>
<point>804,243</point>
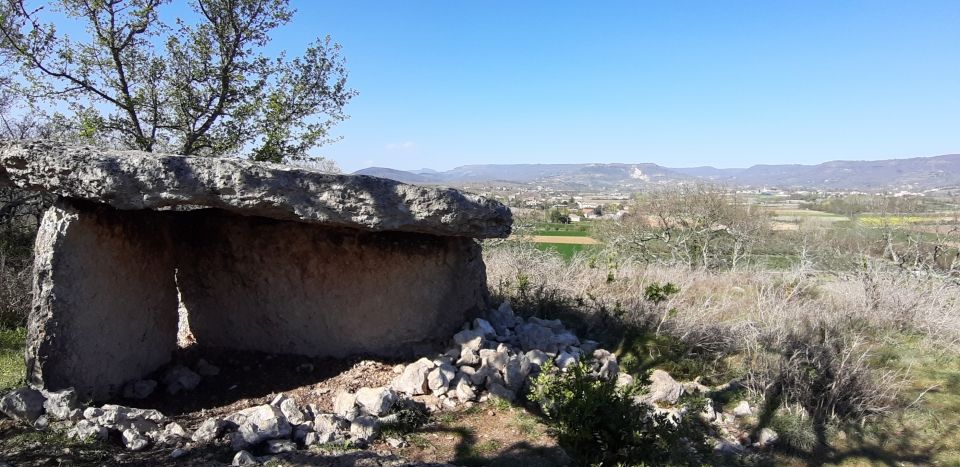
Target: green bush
<point>657,293</point>
<point>598,423</point>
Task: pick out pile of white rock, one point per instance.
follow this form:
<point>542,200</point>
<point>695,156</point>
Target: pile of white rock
<point>495,358</point>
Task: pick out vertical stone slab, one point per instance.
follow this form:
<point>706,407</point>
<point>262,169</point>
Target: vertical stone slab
<point>287,287</point>
<point>105,302</point>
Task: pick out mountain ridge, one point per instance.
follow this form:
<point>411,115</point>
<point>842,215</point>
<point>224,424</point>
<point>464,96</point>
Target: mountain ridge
<point>915,173</point>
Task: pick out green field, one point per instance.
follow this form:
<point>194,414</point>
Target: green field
<point>565,250</point>
<point>562,233</point>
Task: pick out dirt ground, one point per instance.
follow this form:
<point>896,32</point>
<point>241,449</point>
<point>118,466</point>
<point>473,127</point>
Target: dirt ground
<point>486,434</point>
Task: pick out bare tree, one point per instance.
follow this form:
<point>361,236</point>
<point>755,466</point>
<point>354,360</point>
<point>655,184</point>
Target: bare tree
<point>699,225</point>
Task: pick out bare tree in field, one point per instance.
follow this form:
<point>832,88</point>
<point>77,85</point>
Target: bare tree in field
<point>699,225</point>
<point>196,89</point>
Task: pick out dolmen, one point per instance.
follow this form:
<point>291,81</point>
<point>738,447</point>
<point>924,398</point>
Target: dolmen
<point>261,257</point>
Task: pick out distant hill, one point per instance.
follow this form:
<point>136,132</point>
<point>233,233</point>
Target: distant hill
<point>918,173</point>
<point>564,176</point>
<point>914,174</point>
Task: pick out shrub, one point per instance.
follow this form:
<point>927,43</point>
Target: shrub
<point>599,423</point>
<point>795,433</point>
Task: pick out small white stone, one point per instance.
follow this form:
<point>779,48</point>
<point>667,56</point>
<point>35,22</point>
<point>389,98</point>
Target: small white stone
<point>742,409</point>
<point>243,458</point>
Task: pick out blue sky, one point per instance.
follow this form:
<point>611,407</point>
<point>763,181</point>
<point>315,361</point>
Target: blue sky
<point>677,83</point>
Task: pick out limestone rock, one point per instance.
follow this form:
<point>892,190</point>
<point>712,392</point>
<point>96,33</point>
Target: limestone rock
<point>328,428</point>
<point>767,437</point>
<point>344,404</point>
<point>23,404</point>
<point>243,458</point>
<point>565,360</point>
<point>565,339</point>
<point>365,428</point>
<point>301,431</point>
<point>133,440</point>
<point>534,336</point>
<point>61,405</point>
<point>537,357</point>
<point>516,372</point>
<point>85,430</point>
<point>209,430</point>
<point>263,423</point>
<point>438,380</point>
<point>663,388</point>
<point>288,407</point>
<point>376,401</point>
<point>495,359</point>
<point>139,180</point>
<point>554,325</point>
<point>463,337</point>
<point>413,381</point>
<point>503,318</point>
<point>173,433</point>
<point>312,438</point>
<point>497,390</point>
<point>468,357</point>
<point>484,326</point>
<point>742,409</point>
<point>465,391</point>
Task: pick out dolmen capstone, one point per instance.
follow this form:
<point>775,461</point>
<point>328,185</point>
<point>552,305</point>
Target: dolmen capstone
<point>262,257</point>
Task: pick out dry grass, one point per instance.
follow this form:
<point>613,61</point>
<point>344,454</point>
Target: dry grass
<point>797,339</point>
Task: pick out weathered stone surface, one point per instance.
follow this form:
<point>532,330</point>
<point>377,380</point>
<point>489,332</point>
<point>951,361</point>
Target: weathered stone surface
<point>345,404</point>
<point>62,405</point>
<point>137,180</point>
<point>23,404</point>
<point>316,291</point>
<point>209,430</point>
<point>376,401</point>
<point>288,407</point>
<point>263,423</point>
<point>316,264</point>
<point>413,380</point>
<point>243,458</point>
<point>106,335</point>
<point>663,388</point>
<point>365,428</point>
<point>86,430</point>
<point>105,300</point>
<point>742,409</point>
<point>133,440</point>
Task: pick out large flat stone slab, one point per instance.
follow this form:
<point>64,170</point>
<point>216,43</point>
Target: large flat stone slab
<point>105,301</point>
<point>133,180</point>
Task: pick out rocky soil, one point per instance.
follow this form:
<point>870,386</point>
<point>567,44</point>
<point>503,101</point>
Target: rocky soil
<point>230,408</point>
